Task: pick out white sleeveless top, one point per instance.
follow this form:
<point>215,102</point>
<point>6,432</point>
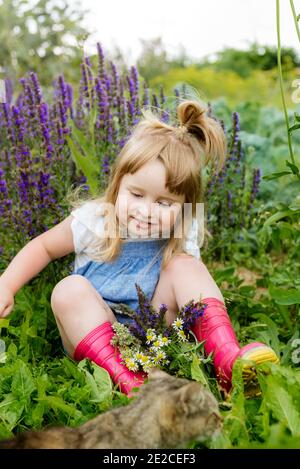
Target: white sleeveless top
<point>88,224</point>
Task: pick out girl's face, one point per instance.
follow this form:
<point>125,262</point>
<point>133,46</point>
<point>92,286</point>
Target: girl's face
<point>144,206</point>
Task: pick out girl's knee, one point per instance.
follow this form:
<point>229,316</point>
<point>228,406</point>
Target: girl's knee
<point>69,289</point>
<point>180,261</point>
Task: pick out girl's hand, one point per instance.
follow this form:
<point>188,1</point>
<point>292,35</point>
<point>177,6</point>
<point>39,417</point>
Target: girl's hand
<point>6,300</point>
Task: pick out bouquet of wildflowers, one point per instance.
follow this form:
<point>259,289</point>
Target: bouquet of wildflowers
<point>149,341</point>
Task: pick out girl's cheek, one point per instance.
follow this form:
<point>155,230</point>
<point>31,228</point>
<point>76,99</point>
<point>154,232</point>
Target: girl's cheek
<point>119,212</point>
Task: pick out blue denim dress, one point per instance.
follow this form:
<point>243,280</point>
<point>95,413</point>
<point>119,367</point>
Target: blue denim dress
<point>138,262</point>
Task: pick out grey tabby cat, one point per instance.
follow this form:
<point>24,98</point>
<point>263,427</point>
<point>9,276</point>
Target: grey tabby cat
<point>167,412</point>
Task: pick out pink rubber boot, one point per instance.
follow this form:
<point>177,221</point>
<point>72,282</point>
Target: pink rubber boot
<point>216,329</point>
<point>96,346</point>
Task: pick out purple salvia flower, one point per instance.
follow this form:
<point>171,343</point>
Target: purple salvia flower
<point>8,122</point>
<point>63,91</point>
<point>107,83</point>
<point>106,165</point>
<point>101,63</point>
<point>31,109</point>
<point>8,90</point>
<point>121,142</point>
<point>115,132</point>
<point>22,153</point>
<point>162,96</point>
<point>79,116</point>
<point>109,128</point>
<point>103,105</point>
<point>115,84</point>
<point>63,118</point>
<point>155,101</point>
<point>27,217</point>
<point>5,201</point>
<point>131,87</point>
<point>84,89</point>
<point>19,123</point>
<point>44,123</point>
<point>89,72</point>
<point>255,184</point>
<point>190,313</point>
<point>137,330</point>
<point>130,109</point>
<point>56,91</point>
<point>87,61</point>
<point>230,207</point>
<point>45,191</point>
<point>70,99</point>
<point>221,176</point>
<point>23,186</point>
<point>177,95</point>
<point>135,80</point>
<point>235,132</point>
<point>36,87</point>
<point>122,110</point>
<point>81,181</point>
<point>243,178</point>
<point>211,185</point>
<point>165,116</point>
<point>61,140</point>
<point>146,99</point>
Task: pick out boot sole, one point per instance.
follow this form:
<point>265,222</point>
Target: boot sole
<point>257,356</point>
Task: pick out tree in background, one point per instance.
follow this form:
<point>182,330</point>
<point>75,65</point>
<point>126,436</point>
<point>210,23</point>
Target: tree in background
<point>154,59</point>
<point>257,57</point>
<point>42,36</point>
<point>238,75</point>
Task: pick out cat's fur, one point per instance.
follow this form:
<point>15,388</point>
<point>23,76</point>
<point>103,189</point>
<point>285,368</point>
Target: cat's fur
<point>167,412</point>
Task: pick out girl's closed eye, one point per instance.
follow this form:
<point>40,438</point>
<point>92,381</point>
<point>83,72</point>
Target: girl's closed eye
<point>163,203</point>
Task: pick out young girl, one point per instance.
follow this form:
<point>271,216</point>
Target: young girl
<point>128,236</point>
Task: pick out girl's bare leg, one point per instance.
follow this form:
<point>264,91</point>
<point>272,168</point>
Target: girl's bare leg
<point>183,279</point>
<point>78,308</point>
<point>191,279</point>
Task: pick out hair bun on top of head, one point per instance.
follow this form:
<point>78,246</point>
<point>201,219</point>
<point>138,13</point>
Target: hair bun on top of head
<point>190,116</point>
<point>207,130</point>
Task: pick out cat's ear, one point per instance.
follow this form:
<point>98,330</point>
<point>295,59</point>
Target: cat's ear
<point>191,398</point>
<point>156,373</point>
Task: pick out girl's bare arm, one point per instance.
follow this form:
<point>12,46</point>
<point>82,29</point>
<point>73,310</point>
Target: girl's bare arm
<point>37,254</point>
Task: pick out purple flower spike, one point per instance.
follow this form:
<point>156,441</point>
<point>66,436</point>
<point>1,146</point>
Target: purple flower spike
<point>146,98</point>
<point>255,184</point>
<point>101,63</point>
<point>106,166</point>
<point>36,87</point>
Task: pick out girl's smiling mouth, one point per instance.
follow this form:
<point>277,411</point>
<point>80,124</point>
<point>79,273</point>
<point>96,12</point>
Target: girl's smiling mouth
<point>141,224</point>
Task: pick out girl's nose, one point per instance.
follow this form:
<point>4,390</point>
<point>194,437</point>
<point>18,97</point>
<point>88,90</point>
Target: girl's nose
<point>146,211</point>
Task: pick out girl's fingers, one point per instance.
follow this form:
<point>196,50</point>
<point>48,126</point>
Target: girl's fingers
<point>6,311</point>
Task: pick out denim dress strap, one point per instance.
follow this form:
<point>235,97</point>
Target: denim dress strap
<point>139,262</point>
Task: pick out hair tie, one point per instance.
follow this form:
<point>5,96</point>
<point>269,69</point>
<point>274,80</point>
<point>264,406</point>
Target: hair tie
<point>181,130</point>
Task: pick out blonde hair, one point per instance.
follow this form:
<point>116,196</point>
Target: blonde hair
<point>184,150</point>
